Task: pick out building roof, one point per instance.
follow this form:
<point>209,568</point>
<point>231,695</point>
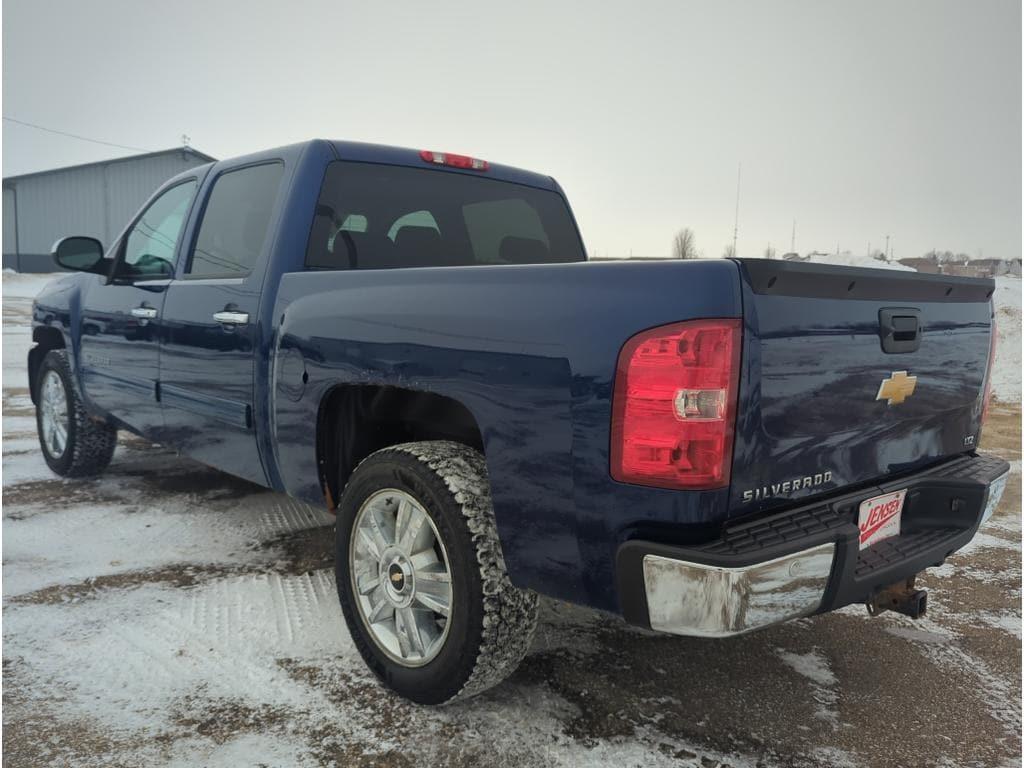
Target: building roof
<point>186,150</point>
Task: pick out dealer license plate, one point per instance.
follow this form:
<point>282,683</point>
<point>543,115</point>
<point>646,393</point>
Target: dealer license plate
<point>880,518</point>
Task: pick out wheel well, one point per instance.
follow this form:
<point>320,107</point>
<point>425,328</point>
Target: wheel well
<point>46,338</point>
<point>356,420</point>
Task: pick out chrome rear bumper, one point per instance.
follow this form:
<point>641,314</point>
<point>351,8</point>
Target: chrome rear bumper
<point>711,601</point>
<point>805,560</point>
<point>995,495</point>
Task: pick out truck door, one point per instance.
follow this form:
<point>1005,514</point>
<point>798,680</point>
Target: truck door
<point>119,345</point>
<point>210,323</point>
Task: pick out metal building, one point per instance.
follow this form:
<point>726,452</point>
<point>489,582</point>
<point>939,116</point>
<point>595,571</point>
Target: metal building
<point>95,199</point>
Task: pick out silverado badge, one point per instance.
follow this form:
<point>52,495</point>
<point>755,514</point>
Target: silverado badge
<point>896,388</point>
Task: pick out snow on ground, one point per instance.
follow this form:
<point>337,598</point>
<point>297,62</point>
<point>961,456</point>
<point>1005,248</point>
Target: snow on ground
<point>815,667</point>
<point>169,615</point>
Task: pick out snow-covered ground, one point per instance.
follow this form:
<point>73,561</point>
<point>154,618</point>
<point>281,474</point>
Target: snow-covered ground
<point>169,615</point>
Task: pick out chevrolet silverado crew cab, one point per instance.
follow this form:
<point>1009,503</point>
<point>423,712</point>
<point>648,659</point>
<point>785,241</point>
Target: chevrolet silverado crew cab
<point>417,341</point>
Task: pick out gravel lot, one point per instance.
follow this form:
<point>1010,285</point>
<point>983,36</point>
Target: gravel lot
<point>167,614</point>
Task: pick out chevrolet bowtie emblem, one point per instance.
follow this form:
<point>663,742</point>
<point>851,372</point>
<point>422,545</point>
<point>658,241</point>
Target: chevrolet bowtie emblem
<point>896,388</point>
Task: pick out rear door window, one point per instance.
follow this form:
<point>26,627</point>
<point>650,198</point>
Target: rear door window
<point>413,217</point>
<point>235,222</point>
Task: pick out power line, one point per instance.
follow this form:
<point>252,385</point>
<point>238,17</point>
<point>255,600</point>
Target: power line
<point>74,135</point>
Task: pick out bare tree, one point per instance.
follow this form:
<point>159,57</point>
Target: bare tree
<point>729,252</point>
<point>769,252</point>
<point>684,244</point>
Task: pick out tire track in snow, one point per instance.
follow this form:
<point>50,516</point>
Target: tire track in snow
<point>279,514</point>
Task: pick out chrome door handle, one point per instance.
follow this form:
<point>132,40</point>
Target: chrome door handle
<point>145,313</point>
<point>231,318</point>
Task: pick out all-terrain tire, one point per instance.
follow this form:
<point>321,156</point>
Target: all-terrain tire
<point>90,442</point>
<point>492,622</point>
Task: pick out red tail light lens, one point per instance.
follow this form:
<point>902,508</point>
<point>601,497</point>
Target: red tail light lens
<point>674,406</point>
<point>988,371</point>
<point>455,161</point>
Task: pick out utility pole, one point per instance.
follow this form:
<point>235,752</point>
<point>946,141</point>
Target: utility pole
<point>736,221</point>
<point>886,247</point>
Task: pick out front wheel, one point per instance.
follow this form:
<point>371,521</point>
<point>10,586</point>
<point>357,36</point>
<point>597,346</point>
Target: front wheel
<point>421,577</point>
<point>74,444</point>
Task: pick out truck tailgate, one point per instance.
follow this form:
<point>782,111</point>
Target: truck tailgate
<point>852,374</point>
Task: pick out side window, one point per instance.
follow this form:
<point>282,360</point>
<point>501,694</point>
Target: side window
<point>235,222</point>
<point>153,239</point>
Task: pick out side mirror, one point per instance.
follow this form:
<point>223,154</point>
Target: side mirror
<point>80,254</point>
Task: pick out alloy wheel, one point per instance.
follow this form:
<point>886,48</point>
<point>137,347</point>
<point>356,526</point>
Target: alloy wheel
<point>401,577</point>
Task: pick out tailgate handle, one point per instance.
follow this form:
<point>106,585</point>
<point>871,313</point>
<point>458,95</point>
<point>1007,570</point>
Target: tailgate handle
<point>899,329</point>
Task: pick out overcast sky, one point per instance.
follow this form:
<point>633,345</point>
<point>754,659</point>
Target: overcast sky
<point>857,119</point>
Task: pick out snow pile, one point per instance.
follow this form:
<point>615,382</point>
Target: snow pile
<point>1006,377</point>
<point>17,285</point>
<point>848,259</point>
<point>19,290</point>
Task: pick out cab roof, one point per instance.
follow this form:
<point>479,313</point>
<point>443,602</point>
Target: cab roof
<point>381,153</point>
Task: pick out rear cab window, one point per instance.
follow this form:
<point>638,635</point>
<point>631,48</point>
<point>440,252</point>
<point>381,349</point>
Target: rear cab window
<point>372,216</point>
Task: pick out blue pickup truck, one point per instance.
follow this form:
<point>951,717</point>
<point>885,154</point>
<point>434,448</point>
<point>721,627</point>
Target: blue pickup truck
<point>416,340</point>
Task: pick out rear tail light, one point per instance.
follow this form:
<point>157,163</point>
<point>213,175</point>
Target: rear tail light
<point>988,371</point>
<point>455,161</point>
<point>674,406</point>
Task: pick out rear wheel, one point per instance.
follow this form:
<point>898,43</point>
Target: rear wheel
<point>421,576</point>
<point>73,443</point>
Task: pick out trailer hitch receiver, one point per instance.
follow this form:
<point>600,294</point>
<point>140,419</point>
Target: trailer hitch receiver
<point>901,598</point>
